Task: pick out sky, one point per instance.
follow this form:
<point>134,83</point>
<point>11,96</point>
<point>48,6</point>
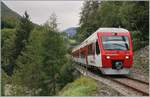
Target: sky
<point>67,12</point>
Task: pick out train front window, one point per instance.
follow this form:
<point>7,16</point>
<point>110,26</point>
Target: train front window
<point>115,42</point>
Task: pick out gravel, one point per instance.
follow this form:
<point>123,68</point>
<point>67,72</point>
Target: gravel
<point>140,67</point>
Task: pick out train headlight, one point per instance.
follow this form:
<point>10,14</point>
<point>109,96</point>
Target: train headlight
<point>107,57</point>
<point>127,57</point>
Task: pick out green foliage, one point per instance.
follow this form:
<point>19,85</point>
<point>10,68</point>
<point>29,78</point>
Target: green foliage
<point>7,45</point>
<point>66,74</point>
<point>30,63</point>
<point>8,12</point>
<point>109,16</point>
<point>8,22</point>
<point>137,43</point>
<point>134,16</point>
<point>130,15</point>
<point>35,56</point>
<point>83,86</point>
<point>13,42</point>
<point>51,23</point>
<point>5,79</point>
<point>55,51</point>
<point>8,37</point>
<point>9,18</point>
<point>87,23</point>
<point>23,31</point>
<point>42,64</point>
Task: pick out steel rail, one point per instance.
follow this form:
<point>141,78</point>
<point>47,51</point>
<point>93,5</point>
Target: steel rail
<point>141,81</point>
<point>141,91</point>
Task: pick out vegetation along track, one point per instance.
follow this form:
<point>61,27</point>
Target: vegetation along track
<point>123,84</point>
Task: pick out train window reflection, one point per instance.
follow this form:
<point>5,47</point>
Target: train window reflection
<point>97,48</point>
<point>115,42</point>
<point>90,49</point>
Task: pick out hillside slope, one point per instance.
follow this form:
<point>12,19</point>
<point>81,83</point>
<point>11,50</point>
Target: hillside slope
<point>9,18</point>
<point>71,31</point>
<point>8,12</point>
<point>141,62</point>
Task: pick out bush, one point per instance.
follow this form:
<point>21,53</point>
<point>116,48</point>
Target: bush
<point>81,87</point>
<point>136,40</point>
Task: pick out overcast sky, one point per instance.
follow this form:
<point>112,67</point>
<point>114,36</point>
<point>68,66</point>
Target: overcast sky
<point>68,12</point>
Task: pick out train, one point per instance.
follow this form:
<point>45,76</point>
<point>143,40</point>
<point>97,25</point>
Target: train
<point>108,49</point>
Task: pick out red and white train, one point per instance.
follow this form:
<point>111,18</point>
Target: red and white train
<point>109,49</point>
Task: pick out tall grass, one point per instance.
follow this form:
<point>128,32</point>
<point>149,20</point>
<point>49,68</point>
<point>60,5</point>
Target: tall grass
<point>83,86</point>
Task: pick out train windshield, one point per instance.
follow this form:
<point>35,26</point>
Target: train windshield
<point>115,42</point>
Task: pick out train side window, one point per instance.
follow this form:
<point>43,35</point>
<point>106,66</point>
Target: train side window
<point>93,48</point>
<point>90,49</point>
<point>97,48</point>
<point>82,54</point>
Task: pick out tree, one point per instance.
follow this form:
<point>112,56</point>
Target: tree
<point>8,22</point>
<point>40,63</point>
<point>22,34</point>
<point>30,74</point>
<point>52,22</point>
<point>135,16</point>
<point>7,47</point>
<point>87,20</point>
<point>130,15</point>
<point>55,51</point>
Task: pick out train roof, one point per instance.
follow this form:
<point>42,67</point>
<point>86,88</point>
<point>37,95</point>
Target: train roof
<point>112,30</point>
<point>93,37</point>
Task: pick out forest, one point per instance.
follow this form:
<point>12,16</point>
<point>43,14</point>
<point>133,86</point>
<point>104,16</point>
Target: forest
<point>36,58</point>
<point>131,15</point>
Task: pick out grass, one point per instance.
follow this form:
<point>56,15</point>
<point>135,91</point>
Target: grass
<point>72,41</point>
<point>84,86</point>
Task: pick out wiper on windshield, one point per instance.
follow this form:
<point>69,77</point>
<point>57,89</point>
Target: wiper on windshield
<point>119,45</point>
<point>115,49</point>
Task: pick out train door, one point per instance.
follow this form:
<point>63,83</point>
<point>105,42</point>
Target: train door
<point>82,56</point>
<point>90,58</point>
<point>98,60</point>
<point>86,55</point>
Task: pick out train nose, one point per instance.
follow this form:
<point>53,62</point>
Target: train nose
<point>117,65</point>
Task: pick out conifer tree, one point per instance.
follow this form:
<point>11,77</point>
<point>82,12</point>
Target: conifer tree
<point>40,63</point>
<point>23,31</point>
<point>7,45</point>
<point>55,51</point>
<point>51,23</point>
<point>30,74</point>
<point>130,15</point>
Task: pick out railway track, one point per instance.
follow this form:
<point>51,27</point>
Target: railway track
<point>136,85</point>
<point>125,85</point>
